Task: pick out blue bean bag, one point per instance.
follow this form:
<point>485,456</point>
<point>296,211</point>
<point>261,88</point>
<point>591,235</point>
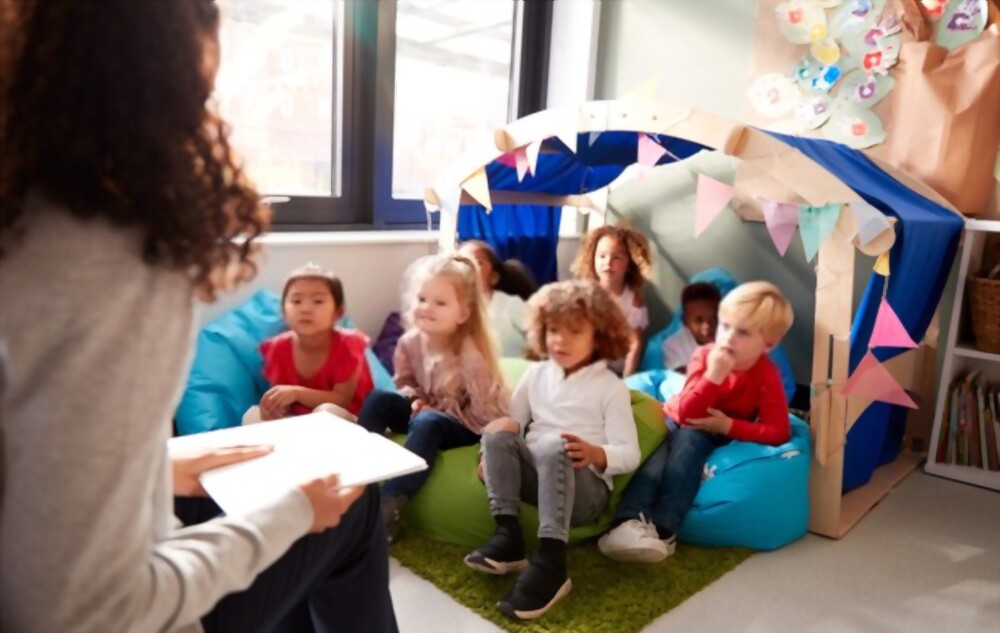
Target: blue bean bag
<point>754,496</point>
<point>225,378</point>
<point>652,357</point>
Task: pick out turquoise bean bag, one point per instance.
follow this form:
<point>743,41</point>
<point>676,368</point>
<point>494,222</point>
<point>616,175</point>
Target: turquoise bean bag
<point>756,496</point>
<point>652,356</point>
<point>225,378</point>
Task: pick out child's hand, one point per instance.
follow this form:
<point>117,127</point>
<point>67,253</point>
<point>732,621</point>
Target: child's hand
<point>584,453</point>
<point>717,422</point>
<point>417,406</point>
<point>280,397</point>
<point>720,364</point>
<point>500,425</point>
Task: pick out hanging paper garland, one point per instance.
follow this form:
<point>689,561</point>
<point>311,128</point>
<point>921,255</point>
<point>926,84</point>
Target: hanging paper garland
<point>711,198</point>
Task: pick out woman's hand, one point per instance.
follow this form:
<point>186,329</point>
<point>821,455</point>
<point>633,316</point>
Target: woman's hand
<point>188,468</point>
<point>328,503</point>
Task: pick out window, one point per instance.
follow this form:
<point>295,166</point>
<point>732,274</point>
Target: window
<point>453,76</point>
<point>353,133</point>
<point>276,87</point>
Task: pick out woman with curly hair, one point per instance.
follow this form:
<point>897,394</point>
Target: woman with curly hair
<point>581,434</point>
<point>618,257</point>
<point>120,203</point>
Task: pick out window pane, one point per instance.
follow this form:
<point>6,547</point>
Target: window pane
<point>276,88</point>
<point>453,63</point>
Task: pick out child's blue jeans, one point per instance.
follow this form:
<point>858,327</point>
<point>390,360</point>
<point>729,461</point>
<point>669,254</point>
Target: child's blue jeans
<point>664,487</point>
<point>426,433</point>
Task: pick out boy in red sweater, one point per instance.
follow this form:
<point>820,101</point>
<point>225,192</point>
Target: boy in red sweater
<point>733,392</point>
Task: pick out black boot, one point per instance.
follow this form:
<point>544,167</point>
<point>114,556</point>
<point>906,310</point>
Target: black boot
<point>541,585</point>
<point>503,552</point>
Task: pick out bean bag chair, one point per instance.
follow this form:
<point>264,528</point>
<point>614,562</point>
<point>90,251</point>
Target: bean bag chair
<point>753,495</point>
<point>225,378</point>
<point>452,506</point>
<point>652,357</point>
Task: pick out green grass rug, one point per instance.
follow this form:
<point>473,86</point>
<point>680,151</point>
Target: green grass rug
<point>607,597</point>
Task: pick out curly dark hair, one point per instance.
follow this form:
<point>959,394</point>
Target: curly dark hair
<point>640,259</point>
<point>103,110</point>
<point>700,291</point>
<point>513,276</point>
<point>570,301</point>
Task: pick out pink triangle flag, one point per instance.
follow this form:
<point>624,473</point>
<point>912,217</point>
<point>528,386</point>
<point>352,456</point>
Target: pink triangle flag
<point>712,198</point>
<point>873,381</point>
<point>649,151</point>
<point>507,159</point>
<point>889,330</point>
<point>781,219</point>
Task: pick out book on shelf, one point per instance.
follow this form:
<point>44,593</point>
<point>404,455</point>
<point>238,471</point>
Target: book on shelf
<point>969,431</point>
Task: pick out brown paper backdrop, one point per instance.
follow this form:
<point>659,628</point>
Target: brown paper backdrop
<point>955,156</point>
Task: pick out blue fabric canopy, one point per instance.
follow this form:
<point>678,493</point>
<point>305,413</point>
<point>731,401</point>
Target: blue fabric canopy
<point>927,238</point>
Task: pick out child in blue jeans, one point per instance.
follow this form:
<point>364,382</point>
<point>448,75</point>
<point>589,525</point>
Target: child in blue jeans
<point>733,392</point>
<point>581,433</point>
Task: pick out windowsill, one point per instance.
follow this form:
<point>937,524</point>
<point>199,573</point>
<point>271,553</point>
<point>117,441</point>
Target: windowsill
<point>299,238</point>
<point>348,237</point>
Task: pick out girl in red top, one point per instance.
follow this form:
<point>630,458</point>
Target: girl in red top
<point>314,366</point>
<point>732,392</point>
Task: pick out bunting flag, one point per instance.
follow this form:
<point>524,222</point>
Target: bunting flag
<point>815,225</point>
<point>449,199</point>
<point>781,219</point>
<point>521,162</point>
<point>568,134</point>
<point>507,159</point>
<point>592,138</point>
<point>712,197</point>
<point>882,264</point>
<point>871,222</point>
<point>873,381</point>
<point>599,199</point>
<point>478,187</point>
<point>889,330</point>
<point>648,151</point>
<point>531,151</point>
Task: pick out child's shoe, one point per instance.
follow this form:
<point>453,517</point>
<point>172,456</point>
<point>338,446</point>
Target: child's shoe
<point>636,541</point>
<point>392,511</point>
<point>538,589</point>
<point>501,554</point>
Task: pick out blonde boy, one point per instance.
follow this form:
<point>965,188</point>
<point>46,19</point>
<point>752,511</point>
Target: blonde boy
<point>732,392</point>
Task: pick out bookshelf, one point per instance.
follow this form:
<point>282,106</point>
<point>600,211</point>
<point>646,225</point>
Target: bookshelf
<point>960,355</point>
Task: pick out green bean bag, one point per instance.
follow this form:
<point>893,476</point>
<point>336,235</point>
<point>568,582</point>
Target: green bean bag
<point>452,506</point>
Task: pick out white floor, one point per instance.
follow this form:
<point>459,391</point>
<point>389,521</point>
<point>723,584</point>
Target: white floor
<point>926,560</point>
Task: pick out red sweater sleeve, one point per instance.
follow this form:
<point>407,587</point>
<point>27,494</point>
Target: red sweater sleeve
<point>699,393</point>
<point>772,426</point>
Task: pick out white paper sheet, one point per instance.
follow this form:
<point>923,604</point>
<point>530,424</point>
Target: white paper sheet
<point>305,447</point>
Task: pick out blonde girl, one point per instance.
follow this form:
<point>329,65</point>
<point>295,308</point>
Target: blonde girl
<point>447,377</point>
<point>618,258</point>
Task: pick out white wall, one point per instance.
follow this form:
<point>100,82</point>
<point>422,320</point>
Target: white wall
<point>702,49</point>
<point>370,263</point>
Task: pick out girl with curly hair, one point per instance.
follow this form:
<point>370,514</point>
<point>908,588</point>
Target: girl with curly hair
<point>120,203</point>
<point>447,375</point>
<point>506,285</point>
<point>618,257</point>
<point>578,432</point>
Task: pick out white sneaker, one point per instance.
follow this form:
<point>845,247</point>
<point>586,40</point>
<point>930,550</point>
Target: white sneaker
<point>635,541</point>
